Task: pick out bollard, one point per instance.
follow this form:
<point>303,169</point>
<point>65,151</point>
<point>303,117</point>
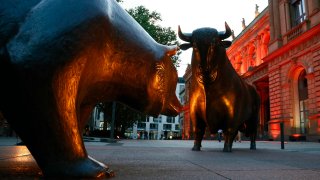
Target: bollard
<point>282,135</point>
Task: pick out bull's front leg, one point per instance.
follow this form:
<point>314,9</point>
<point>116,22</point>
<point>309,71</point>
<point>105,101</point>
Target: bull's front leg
<point>67,156</point>
<point>199,133</point>
<point>229,137</point>
<point>198,116</point>
<point>253,141</point>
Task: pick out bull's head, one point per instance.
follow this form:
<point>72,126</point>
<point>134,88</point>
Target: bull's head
<point>208,45</point>
<point>209,37</point>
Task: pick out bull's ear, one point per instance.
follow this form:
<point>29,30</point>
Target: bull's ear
<point>185,46</point>
<point>226,44</point>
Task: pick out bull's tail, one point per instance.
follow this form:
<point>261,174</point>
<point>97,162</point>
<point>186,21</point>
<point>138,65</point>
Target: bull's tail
<point>254,121</point>
<point>256,104</point>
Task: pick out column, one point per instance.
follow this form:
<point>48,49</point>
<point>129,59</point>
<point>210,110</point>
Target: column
<point>265,39</point>
<point>238,62</point>
<point>258,49</point>
<point>276,15</point>
<point>271,19</point>
<point>288,20</point>
<point>244,65</point>
<point>251,51</point>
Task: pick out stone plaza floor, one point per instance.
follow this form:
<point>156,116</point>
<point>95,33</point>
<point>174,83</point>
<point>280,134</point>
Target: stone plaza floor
<point>173,159</point>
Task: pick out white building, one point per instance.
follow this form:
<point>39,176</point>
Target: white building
<point>161,127</point>
<point>97,119</point>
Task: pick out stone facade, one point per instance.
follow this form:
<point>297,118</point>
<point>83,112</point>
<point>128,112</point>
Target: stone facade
<point>279,53</point>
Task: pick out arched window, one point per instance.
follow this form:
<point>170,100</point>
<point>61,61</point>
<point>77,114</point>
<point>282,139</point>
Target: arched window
<point>303,86</point>
<point>303,97</point>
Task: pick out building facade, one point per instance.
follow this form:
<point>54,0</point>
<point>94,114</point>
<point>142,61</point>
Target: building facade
<point>294,68</point>
<point>161,127</point>
<point>279,53</point>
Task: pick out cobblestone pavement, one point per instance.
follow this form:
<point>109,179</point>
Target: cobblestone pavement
<point>173,159</point>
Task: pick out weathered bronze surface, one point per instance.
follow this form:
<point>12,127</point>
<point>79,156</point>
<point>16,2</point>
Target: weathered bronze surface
<point>59,58</point>
<point>219,98</point>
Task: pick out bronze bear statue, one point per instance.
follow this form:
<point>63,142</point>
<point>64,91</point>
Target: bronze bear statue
<point>58,58</point>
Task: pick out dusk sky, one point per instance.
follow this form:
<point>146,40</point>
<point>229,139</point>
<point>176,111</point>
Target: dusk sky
<point>191,15</point>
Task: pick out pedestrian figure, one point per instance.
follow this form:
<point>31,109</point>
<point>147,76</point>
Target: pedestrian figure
<point>238,137</point>
<point>146,135</point>
<point>220,135</point>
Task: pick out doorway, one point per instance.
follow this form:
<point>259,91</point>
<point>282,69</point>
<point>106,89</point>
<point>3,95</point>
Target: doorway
<point>262,87</point>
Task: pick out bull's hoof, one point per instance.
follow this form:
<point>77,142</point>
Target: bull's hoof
<point>253,147</point>
<point>84,168</point>
<point>227,149</point>
<point>196,148</point>
<point>110,173</point>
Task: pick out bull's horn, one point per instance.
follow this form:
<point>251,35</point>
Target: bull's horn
<point>225,34</point>
<point>184,36</point>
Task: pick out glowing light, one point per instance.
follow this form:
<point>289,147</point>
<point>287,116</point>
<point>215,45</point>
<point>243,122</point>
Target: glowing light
<point>274,130</point>
<point>197,100</point>
<point>228,103</point>
<point>20,151</point>
<point>296,135</point>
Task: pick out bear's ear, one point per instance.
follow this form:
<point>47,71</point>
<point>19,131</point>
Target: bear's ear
<point>185,46</point>
<point>226,44</point>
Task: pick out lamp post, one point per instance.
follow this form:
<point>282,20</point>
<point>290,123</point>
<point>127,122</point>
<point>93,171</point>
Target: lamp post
<point>113,116</point>
<point>282,135</point>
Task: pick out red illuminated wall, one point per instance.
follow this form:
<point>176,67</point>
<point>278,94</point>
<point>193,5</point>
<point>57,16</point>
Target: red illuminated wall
<point>278,53</point>
<point>271,53</point>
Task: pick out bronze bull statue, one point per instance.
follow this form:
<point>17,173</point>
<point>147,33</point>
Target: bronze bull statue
<point>219,97</point>
<point>58,58</point>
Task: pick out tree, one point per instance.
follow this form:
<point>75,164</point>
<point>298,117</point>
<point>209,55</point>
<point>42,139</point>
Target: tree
<point>125,117</point>
<point>148,20</point>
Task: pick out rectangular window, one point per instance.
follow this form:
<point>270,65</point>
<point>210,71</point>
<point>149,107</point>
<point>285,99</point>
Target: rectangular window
<point>298,12</point>
<point>153,126</point>
<point>181,87</point>
<point>141,125</point>
<point>177,128</point>
<point>170,119</point>
<point>157,119</point>
<point>167,127</point>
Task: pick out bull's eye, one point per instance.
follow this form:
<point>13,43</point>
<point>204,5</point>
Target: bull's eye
<point>194,45</point>
<point>211,49</point>
<point>212,45</point>
<point>195,48</point>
